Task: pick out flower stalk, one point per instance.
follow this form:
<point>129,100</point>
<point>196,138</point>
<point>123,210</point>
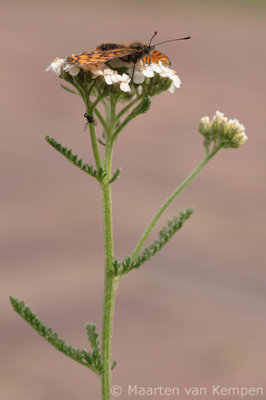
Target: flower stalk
<point>170,199</point>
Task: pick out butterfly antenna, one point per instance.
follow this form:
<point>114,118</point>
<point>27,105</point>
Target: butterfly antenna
<point>172,40</point>
<point>155,33</point>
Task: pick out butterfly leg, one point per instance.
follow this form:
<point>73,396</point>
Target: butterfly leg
<point>132,76</point>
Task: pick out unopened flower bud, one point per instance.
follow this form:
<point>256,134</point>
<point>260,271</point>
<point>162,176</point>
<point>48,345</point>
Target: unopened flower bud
<point>222,131</point>
<point>204,126</point>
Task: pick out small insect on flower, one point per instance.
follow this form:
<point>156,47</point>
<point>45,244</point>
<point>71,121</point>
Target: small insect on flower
<point>132,52</point>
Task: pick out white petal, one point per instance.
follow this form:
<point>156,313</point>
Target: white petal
<point>164,71</point>
<point>57,70</point>
<point>176,80</point>
<point>108,79</point>
<point>126,78</point>
<point>48,68</point>
<point>219,114</point>
<point>148,72</point>
<point>155,68</point>
<point>138,77</point>
<point>73,70</point>
<point>116,78</point>
<point>108,71</point>
<point>124,86</point>
<point>171,88</point>
<point>56,65</point>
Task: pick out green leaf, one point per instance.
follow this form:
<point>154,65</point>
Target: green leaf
<point>95,346</point>
<point>115,175</point>
<point>165,234</point>
<point>99,174</point>
<point>142,107</point>
<point>113,365</point>
<point>69,90</point>
<point>101,142</point>
<point>82,356</point>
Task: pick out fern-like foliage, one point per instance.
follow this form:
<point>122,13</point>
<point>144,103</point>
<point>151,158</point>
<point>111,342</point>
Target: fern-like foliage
<point>99,174</point>
<point>165,235</point>
<point>68,89</point>
<point>113,365</point>
<point>142,107</point>
<point>115,175</point>
<point>84,357</point>
<point>95,346</point>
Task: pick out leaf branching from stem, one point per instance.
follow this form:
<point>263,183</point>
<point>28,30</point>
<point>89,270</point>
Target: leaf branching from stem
<point>141,108</point>
<point>84,357</point>
<point>69,90</point>
<point>96,357</point>
<point>115,175</point>
<point>165,234</point>
<point>99,174</point>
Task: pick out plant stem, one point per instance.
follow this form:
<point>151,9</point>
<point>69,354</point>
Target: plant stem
<point>101,119</point>
<point>110,281</point>
<point>126,108</point>
<point>110,286</point>
<point>169,200</point>
<point>94,144</point>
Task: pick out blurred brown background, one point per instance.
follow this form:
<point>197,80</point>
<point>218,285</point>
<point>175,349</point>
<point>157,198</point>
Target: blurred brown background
<point>195,314</point>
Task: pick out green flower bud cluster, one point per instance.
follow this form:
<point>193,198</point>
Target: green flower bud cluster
<point>222,132</point>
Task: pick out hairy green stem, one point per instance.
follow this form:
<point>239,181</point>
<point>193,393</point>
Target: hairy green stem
<point>94,144</point>
<point>123,124</point>
<point>110,282</point>
<point>169,200</point>
<point>110,286</point>
<point>101,119</point>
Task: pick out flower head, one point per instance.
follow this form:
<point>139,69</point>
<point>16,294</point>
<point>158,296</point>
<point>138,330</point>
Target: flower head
<point>156,77</point>
<point>222,131</point>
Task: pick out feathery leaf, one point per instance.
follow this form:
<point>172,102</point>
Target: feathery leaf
<point>165,234</point>
<point>113,365</point>
<point>69,90</point>
<point>95,346</point>
<point>115,175</point>
<point>99,174</point>
<point>82,356</point>
<point>142,107</point>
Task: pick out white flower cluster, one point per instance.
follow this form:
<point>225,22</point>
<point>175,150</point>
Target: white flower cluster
<point>140,71</point>
<point>229,131</point>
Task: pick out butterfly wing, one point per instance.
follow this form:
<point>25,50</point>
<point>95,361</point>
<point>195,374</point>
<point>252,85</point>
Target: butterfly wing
<point>155,57</point>
<point>99,56</point>
<point>110,46</point>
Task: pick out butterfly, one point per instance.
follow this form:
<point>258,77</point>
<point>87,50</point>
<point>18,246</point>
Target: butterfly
<point>133,52</point>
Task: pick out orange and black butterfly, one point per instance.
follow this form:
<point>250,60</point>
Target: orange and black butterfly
<point>132,52</point>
